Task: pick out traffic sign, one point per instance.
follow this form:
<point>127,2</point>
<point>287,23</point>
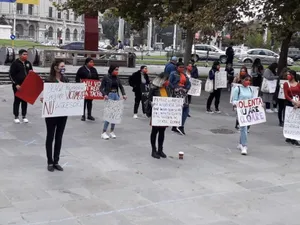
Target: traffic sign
<point>12,37</point>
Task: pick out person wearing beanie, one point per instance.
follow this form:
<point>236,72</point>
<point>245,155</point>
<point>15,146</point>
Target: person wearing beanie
<point>171,66</point>
<point>18,71</point>
<point>87,71</point>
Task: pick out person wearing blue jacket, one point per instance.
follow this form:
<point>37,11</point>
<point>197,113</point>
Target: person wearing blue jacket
<point>180,84</point>
<point>216,92</point>
<point>171,66</point>
<point>243,92</point>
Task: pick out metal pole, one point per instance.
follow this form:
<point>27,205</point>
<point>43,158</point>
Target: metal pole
<point>14,22</point>
<point>149,34</point>
<point>175,37</point>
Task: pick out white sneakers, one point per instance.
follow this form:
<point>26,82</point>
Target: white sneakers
<point>135,116</point>
<point>243,149</point>
<point>17,120</point>
<point>105,136</point>
<point>276,110</point>
<point>25,120</point>
<point>269,111</point>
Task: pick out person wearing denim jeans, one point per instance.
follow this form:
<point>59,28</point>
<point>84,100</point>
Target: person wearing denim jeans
<point>115,97</point>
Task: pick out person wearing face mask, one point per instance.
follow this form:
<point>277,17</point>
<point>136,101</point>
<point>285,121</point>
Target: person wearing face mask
<point>216,94</point>
<point>88,71</point>
<point>18,71</point>
<point>292,95</point>
<point>239,77</point>
<point>55,125</point>
<point>243,92</point>
<point>180,84</point>
<point>139,81</point>
<point>110,86</point>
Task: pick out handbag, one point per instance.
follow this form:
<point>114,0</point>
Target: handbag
<point>209,85</point>
<point>268,86</point>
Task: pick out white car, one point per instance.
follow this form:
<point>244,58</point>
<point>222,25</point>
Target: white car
<point>210,52</point>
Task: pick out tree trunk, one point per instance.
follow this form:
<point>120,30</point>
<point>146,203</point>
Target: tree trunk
<point>91,33</point>
<point>189,45</point>
<point>284,52</point>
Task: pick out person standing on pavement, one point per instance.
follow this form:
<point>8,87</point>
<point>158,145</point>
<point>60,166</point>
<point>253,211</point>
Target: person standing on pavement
<point>257,73</point>
<point>158,89</point>
<point>216,94</point>
<point>88,71</point>
<point>191,72</point>
<point>230,54</point>
<point>139,81</point>
<point>230,75</point>
<point>270,74</point>
<point>110,86</point>
<point>171,66</point>
<point>180,84</point>
<point>18,71</point>
<point>55,125</point>
<point>243,92</point>
<point>281,102</point>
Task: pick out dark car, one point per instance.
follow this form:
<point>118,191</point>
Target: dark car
<point>73,46</point>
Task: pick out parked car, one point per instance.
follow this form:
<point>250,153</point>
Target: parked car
<point>265,55</point>
<point>73,46</point>
<point>294,53</point>
<point>210,52</point>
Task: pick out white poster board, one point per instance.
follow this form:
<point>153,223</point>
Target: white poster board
<point>167,111</point>
<point>113,111</point>
<point>63,99</point>
<point>268,86</point>
<point>281,91</point>
<point>196,86</point>
<point>291,128</point>
<point>251,112</point>
<point>254,89</point>
<point>220,80</point>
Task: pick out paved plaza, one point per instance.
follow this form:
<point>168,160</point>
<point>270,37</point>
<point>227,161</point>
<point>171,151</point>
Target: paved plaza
<point>117,182</point>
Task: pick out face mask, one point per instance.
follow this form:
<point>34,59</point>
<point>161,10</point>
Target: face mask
<point>145,71</point>
<point>24,57</point>
<point>247,83</point>
<point>289,77</point>
<point>115,73</point>
<point>243,73</point>
<point>189,68</point>
<point>62,71</point>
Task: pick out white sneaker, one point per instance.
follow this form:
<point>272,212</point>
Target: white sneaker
<point>244,150</point>
<point>25,120</point>
<point>16,120</point>
<point>239,147</point>
<point>269,111</point>
<point>112,135</point>
<point>105,136</point>
<point>276,110</point>
<point>135,116</point>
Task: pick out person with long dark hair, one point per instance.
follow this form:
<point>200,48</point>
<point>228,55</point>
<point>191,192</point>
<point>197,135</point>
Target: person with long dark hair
<point>257,73</point>
<point>216,94</point>
<point>270,74</point>
<point>87,71</point>
<point>55,125</point>
<point>110,86</point>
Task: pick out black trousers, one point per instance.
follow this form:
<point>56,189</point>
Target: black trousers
<point>189,99</point>
<point>88,104</point>
<point>216,94</point>
<point>137,100</point>
<point>55,130</point>
<point>161,137</point>
<point>17,103</point>
<point>281,110</point>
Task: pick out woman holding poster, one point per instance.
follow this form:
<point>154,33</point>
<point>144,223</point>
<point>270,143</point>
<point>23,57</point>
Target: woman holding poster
<point>88,71</point>
<point>216,94</point>
<point>243,92</point>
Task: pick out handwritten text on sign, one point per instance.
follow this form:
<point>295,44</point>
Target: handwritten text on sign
<point>291,127</point>
<point>63,99</point>
<point>167,111</point>
<point>113,111</point>
<point>220,80</point>
<point>251,112</point>
<point>92,89</point>
<point>196,86</point>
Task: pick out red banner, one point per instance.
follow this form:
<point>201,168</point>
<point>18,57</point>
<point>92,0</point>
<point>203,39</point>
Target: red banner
<point>92,89</point>
<point>31,88</point>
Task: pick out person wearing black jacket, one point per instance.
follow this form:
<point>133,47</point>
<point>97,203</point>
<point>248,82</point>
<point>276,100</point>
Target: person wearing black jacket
<point>140,83</point>
<point>87,71</point>
<point>18,71</point>
<point>230,54</point>
<point>55,125</point>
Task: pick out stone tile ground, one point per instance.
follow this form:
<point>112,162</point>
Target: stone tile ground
<point>117,182</point>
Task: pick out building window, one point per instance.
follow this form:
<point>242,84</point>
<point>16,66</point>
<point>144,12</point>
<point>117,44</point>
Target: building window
<point>75,35</point>
<point>59,15</point>
<point>82,35</point>
<point>50,32</point>
<point>19,8</point>
<point>68,34</point>
<point>50,12</point>
<point>68,15</point>
<point>59,33</point>
<point>30,9</point>
<point>31,31</point>
<point>19,31</point>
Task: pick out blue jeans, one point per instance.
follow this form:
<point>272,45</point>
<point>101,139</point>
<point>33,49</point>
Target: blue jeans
<point>185,113</point>
<point>112,96</point>
<point>243,136</point>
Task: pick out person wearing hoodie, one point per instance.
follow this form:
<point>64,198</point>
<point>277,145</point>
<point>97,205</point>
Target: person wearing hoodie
<point>243,92</point>
<point>87,71</point>
<point>158,89</point>
<point>18,71</point>
<point>216,94</point>
<point>171,66</point>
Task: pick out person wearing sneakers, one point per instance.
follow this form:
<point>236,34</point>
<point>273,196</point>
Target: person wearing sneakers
<point>18,71</point>
<point>180,84</point>
<point>270,74</point>
<point>55,125</point>
<point>158,89</point>
<point>292,94</point>
<point>110,86</point>
<point>243,92</point>
<point>88,71</point>
<point>216,94</point>
<point>171,66</point>
<point>139,81</point>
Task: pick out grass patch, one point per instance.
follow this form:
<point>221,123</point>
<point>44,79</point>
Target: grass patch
<point>23,44</point>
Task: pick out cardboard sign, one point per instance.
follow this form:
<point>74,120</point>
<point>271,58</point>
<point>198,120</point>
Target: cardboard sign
<point>63,99</point>
<point>220,80</point>
<point>281,91</point>
<point>31,88</point>
<point>255,91</point>
<point>251,112</point>
<point>291,128</point>
<point>196,86</point>
<point>113,111</point>
<point>167,111</point>
<point>92,89</point>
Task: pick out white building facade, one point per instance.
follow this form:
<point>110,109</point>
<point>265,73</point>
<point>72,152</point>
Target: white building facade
<point>44,23</point>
